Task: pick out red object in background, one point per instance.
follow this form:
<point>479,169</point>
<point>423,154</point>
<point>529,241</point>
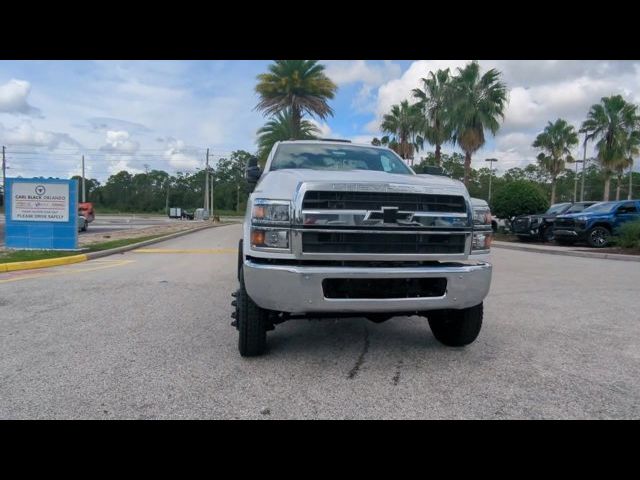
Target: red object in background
<point>86,210</point>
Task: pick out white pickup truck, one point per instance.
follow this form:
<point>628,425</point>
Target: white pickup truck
<point>333,229</point>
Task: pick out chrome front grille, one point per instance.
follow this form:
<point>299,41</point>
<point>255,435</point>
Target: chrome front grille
<point>412,202</point>
<point>344,223</point>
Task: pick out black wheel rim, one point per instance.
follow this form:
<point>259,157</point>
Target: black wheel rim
<point>599,237</point>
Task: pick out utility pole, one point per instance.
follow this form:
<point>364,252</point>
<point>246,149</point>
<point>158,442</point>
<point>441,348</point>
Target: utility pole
<point>4,180</point>
<point>629,196</point>
<point>584,167</point>
<point>84,191</point>
<point>211,191</point>
<point>490,160</point>
<point>575,181</point>
<point>166,205</point>
<point>206,183</point>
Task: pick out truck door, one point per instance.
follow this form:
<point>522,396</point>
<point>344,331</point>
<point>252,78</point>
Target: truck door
<point>627,212</point>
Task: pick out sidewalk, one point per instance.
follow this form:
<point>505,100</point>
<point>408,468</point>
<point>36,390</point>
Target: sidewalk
<point>569,251</point>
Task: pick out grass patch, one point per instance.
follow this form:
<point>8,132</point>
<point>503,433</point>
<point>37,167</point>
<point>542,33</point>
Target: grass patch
<point>29,255</point>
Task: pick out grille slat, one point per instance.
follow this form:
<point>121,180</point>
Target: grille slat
<point>420,243</point>
<point>323,200</point>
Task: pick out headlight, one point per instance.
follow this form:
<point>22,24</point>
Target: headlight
<point>582,219</point>
<point>481,241</point>
<point>271,211</point>
<point>269,238</point>
<point>481,216</point>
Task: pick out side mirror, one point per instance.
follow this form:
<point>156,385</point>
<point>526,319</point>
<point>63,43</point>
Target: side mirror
<point>252,172</point>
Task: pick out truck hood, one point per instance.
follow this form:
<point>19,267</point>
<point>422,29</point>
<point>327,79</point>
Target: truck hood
<point>282,184</point>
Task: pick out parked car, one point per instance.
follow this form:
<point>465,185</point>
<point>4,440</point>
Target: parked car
<point>596,224</point>
<point>540,227</point>
<point>86,210</point>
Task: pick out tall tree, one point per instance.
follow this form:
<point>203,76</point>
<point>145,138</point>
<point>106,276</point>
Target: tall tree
<point>556,142</point>
<point>433,101</point>
<point>404,123</point>
<point>298,85</point>
<point>477,103</point>
<point>280,128</point>
<point>610,123</point>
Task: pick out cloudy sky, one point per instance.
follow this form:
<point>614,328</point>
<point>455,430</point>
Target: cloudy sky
<point>165,114</point>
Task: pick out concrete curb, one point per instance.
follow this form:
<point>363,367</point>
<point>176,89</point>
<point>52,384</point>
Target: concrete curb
<point>569,253</point>
<point>48,262</point>
<point>55,262</point>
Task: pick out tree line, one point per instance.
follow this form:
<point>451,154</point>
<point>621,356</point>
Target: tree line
<point>157,190</point>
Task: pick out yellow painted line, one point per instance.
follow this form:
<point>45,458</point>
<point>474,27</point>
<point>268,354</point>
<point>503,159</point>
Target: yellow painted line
<point>115,263</point>
<point>186,250</point>
<point>49,262</point>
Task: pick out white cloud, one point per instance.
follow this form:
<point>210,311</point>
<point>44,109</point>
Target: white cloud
<point>13,98</point>
<point>325,129</point>
<point>343,72</point>
<point>117,164</point>
<point>25,134</point>
<point>182,157</point>
<point>119,141</point>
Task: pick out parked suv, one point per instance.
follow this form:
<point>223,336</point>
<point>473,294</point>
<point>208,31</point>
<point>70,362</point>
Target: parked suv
<point>540,227</point>
<point>596,224</point>
<point>334,229</point>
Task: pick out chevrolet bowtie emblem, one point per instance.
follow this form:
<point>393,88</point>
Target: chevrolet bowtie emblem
<point>390,214</point>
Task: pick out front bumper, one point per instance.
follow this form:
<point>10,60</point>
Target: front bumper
<point>298,289</point>
<point>569,233</point>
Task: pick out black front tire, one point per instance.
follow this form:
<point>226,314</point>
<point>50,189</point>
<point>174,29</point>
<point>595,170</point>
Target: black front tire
<point>547,234</point>
<point>252,323</point>
<point>456,328</point>
<point>598,237</point>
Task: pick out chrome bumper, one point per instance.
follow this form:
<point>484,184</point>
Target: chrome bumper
<point>297,289</point>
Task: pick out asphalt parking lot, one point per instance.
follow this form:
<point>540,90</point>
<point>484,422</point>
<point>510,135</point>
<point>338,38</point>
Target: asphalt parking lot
<point>147,335</point>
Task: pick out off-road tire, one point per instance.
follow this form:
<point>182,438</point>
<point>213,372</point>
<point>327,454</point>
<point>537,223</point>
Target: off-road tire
<point>252,323</point>
<point>598,237</point>
<point>456,328</point>
<point>547,234</point>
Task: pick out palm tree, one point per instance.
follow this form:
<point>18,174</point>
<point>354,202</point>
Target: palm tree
<point>433,101</point>
<point>610,123</point>
<point>280,128</point>
<point>477,103</point>
<point>555,142</point>
<point>403,123</point>
<point>299,85</point>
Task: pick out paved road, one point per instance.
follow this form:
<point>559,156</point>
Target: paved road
<point>147,335</point>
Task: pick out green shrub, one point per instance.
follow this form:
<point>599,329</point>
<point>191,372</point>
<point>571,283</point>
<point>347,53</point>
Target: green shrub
<point>628,235</point>
<point>519,197</point>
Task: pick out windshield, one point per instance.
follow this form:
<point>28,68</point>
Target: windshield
<point>602,207</point>
<point>557,208</point>
<point>578,207</point>
<point>337,157</point>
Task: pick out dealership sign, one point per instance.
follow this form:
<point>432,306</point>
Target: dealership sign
<point>41,214</point>
<point>36,202</point>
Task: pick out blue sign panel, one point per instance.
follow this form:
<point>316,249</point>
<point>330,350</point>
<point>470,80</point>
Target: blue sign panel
<point>41,214</point>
